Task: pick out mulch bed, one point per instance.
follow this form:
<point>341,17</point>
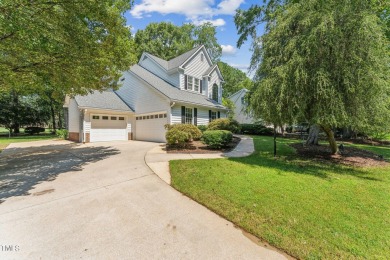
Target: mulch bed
<point>199,147</point>
<point>349,156</point>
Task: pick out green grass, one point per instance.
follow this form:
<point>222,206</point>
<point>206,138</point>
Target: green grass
<point>310,210</point>
<point>5,141</point>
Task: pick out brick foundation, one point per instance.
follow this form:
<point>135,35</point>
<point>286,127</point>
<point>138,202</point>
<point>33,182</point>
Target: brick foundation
<point>130,136</point>
<point>75,137</point>
<point>87,138</point>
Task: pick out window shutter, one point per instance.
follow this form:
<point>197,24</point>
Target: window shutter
<point>195,116</point>
<point>185,81</point>
<point>209,116</point>
<point>201,86</point>
<point>183,114</point>
<point>219,114</point>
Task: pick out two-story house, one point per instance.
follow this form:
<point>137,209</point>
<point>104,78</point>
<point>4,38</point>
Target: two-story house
<point>152,93</point>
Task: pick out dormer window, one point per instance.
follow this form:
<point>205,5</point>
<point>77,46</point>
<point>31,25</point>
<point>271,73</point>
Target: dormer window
<point>190,84</point>
<point>196,85</point>
<point>193,84</point>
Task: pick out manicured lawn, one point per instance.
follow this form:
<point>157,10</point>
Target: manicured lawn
<point>5,141</point>
<point>310,210</point>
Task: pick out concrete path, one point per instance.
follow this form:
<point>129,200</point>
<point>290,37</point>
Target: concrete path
<point>101,201</point>
<point>158,159</point>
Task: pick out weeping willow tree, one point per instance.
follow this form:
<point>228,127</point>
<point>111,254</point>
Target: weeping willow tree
<point>325,61</point>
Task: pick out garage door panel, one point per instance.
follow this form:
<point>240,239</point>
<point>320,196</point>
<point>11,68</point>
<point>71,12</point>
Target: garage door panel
<point>152,130</point>
<point>103,135</point>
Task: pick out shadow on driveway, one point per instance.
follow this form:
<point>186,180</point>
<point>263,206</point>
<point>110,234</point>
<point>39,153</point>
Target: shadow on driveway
<point>23,168</point>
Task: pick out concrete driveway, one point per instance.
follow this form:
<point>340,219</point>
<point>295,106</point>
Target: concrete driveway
<point>101,201</point>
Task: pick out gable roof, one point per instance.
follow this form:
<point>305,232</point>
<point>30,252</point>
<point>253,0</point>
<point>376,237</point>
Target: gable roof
<point>171,91</point>
<point>102,100</point>
<point>238,92</point>
<point>175,62</point>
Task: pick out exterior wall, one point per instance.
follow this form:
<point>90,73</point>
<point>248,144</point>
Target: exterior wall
<point>160,72</point>
<point>239,110</point>
<point>214,79</point>
<point>75,137</point>
<point>203,114</point>
<point>196,67</point>
<point>142,98</point>
<point>73,117</point>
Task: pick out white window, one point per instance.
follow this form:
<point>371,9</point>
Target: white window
<point>190,83</point>
<point>188,115</point>
<point>196,85</point>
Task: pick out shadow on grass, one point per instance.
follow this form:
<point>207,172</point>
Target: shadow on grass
<point>297,165</point>
<point>23,168</point>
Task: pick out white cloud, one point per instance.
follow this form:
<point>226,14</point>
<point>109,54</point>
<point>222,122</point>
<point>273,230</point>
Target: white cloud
<point>216,22</point>
<point>243,67</point>
<point>228,50</point>
<point>195,11</point>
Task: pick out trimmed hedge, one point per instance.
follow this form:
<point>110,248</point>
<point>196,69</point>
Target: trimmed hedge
<point>177,137</point>
<point>225,124</point>
<point>217,138</point>
<point>193,131</point>
<point>256,129</point>
<point>202,128</point>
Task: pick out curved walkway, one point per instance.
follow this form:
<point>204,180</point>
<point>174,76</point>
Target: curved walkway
<point>158,160</point>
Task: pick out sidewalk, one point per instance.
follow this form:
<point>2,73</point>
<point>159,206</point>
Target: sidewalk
<point>158,160</point>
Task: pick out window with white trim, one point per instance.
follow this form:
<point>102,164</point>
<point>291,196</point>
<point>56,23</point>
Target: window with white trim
<point>196,85</point>
<point>190,83</point>
<point>188,115</point>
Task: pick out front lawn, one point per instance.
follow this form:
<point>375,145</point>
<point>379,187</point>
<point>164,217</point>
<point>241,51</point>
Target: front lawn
<point>310,210</point>
<point>5,141</point>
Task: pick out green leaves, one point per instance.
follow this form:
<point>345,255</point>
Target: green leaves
<point>79,46</point>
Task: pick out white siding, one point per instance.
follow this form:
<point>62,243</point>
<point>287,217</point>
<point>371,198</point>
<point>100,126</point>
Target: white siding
<point>151,66</point>
<point>196,67</point>
<point>203,114</point>
<point>239,110</point>
<point>214,79</point>
<point>74,117</point>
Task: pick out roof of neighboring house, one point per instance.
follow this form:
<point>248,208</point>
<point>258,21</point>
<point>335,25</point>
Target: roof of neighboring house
<point>175,62</point>
<point>103,100</point>
<point>238,92</point>
<point>171,91</point>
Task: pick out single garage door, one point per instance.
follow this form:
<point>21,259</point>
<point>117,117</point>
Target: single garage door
<point>108,128</point>
<point>151,127</point>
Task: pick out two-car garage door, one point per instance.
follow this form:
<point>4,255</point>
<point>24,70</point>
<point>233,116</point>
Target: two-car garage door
<point>108,128</point>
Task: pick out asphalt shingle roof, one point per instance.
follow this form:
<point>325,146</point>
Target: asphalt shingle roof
<point>172,92</point>
<point>103,100</point>
<point>175,62</point>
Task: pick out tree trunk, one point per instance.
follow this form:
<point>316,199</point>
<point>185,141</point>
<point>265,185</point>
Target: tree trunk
<point>332,141</point>
<point>59,120</point>
<point>53,115</point>
<point>312,139</point>
<point>16,128</point>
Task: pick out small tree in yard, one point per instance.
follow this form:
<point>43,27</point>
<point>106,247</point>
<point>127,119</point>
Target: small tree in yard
<point>324,61</point>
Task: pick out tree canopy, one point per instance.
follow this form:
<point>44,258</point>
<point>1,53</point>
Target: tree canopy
<point>75,45</point>
<point>168,41</point>
<point>325,61</point>
<point>234,78</point>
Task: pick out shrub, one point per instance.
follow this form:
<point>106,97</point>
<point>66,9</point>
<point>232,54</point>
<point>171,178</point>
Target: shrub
<point>225,124</point>
<point>177,137</point>
<point>256,129</point>
<point>202,128</point>
<point>62,133</point>
<point>193,131</point>
<point>34,130</point>
<point>217,138</point>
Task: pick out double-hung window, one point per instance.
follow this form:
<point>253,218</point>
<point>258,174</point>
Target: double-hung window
<point>188,115</point>
<point>190,84</point>
<point>196,85</point>
<point>213,115</point>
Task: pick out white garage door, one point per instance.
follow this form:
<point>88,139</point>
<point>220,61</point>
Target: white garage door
<point>151,127</point>
<point>108,128</point>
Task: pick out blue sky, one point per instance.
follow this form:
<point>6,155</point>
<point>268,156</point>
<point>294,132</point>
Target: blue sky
<point>219,12</point>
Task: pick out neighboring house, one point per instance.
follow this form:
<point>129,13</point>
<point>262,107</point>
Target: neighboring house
<point>154,92</point>
<point>240,103</point>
